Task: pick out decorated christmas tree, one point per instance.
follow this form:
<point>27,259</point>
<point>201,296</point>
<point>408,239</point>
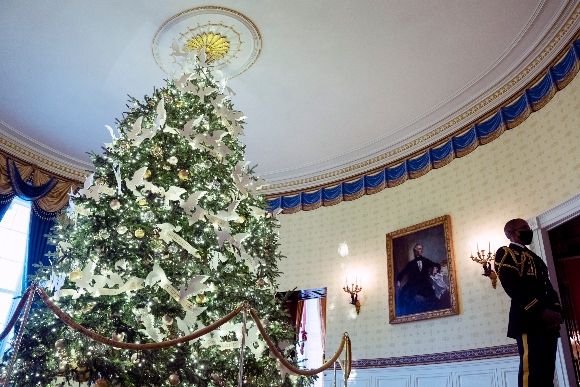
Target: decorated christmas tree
<point>165,238</point>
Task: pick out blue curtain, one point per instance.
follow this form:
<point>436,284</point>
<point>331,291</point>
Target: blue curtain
<point>5,201</point>
<point>40,220</point>
<point>40,224</point>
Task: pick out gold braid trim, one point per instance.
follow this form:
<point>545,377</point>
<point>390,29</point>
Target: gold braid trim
<point>140,347</point>
<point>519,265</point>
<point>345,341</point>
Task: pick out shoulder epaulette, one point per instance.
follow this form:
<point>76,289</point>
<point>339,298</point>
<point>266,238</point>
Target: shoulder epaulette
<point>516,264</point>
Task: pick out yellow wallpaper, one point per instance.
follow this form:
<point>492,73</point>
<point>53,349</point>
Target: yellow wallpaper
<point>526,171</point>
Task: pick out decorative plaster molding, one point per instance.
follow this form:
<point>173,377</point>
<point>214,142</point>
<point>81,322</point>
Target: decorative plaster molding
<point>516,110</point>
<point>52,161</point>
<point>535,70</point>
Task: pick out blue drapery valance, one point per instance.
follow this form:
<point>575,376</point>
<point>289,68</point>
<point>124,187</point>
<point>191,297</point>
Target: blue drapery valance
<point>438,155</point>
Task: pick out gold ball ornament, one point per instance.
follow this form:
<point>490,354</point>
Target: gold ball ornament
<point>101,382</point>
<point>59,344</point>
<point>167,319</point>
<point>139,233</point>
<point>157,151</point>
<point>179,104</point>
<point>75,275</point>
<point>147,174</point>
<point>142,202</point>
<point>241,219</point>
<point>183,174</point>
<point>100,181</point>
<point>174,379</point>
<point>200,298</point>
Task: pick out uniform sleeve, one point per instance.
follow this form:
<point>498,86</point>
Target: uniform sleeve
<point>509,276</point>
<point>553,298</point>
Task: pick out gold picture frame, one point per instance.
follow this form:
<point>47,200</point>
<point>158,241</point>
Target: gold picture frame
<point>421,287</point>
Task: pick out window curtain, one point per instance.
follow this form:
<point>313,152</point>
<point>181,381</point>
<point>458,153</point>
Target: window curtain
<point>5,201</point>
<point>48,196</point>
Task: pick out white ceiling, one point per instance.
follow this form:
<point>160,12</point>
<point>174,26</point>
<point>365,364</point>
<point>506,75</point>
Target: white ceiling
<point>336,81</point>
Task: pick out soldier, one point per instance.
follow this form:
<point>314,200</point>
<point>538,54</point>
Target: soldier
<point>535,313</point>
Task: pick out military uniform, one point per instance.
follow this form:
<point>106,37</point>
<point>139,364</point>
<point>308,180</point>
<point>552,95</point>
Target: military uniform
<point>524,277</point>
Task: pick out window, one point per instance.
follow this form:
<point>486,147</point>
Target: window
<point>13,237</point>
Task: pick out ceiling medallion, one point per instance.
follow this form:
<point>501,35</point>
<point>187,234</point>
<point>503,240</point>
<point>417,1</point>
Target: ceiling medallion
<point>231,41</point>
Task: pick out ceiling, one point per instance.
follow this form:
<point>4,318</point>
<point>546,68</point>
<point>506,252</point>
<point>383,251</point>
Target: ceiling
<point>336,82</point>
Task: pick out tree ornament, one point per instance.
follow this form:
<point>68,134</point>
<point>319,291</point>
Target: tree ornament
<point>142,202</point>
<point>157,151</point>
<point>124,145</point>
<point>139,233</point>
<point>157,245</point>
<point>179,104</point>
<point>118,336</point>
<point>115,204</point>
<point>59,344</point>
<point>174,379</point>
<point>169,99</point>
<point>147,174</point>
<point>167,319</point>
<point>166,167</point>
<point>121,229</point>
<point>216,184</point>
<point>172,160</point>
<point>200,298</point>
<point>101,382</point>
<point>241,219</point>
<point>62,366</point>
<point>206,164</point>
<point>260,283</point>
<point>104,234</point>
<point>75,275</point>
<point>135,358</point>
<point>172,249</point>
<point>148,216</point>
<point>228,268</point>
<point>183,174</point>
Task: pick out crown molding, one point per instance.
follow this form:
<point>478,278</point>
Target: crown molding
<point>27,149</point>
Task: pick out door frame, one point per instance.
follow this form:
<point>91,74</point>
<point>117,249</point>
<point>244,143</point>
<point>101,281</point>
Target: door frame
<point>540,225</point>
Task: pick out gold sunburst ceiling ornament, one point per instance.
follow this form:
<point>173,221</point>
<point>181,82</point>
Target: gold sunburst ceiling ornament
<point>216,46</point>
<point>231,41</point>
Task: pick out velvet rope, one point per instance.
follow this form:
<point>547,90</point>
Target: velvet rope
<point>139,347</point>
<point>18,340</point>
<point>345,341</point>
<point>16,313</point>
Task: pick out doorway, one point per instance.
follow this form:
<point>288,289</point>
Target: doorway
<point>565,245</point>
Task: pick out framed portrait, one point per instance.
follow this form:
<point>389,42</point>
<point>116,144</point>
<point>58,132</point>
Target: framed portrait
<point>420,271</point>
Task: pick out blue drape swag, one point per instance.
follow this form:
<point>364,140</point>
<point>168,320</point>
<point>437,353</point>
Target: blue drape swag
<point>48,196</point>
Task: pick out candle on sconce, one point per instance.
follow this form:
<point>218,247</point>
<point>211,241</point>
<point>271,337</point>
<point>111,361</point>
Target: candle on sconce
<point>489,247</point>
<point>471,248</point>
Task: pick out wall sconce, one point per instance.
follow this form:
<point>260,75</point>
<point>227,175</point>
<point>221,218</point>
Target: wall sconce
<point>353,290</point>
<point>485,260</point>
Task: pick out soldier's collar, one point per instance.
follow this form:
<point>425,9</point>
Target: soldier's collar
<point>517,244</point>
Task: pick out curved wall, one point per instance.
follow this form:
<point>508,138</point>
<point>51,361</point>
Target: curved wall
<point>528,170</point>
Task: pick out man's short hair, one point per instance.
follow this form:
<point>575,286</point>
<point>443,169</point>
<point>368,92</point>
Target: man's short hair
<point>511,226</point>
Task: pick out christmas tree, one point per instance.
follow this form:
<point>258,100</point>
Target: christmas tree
<point>165,238</point>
